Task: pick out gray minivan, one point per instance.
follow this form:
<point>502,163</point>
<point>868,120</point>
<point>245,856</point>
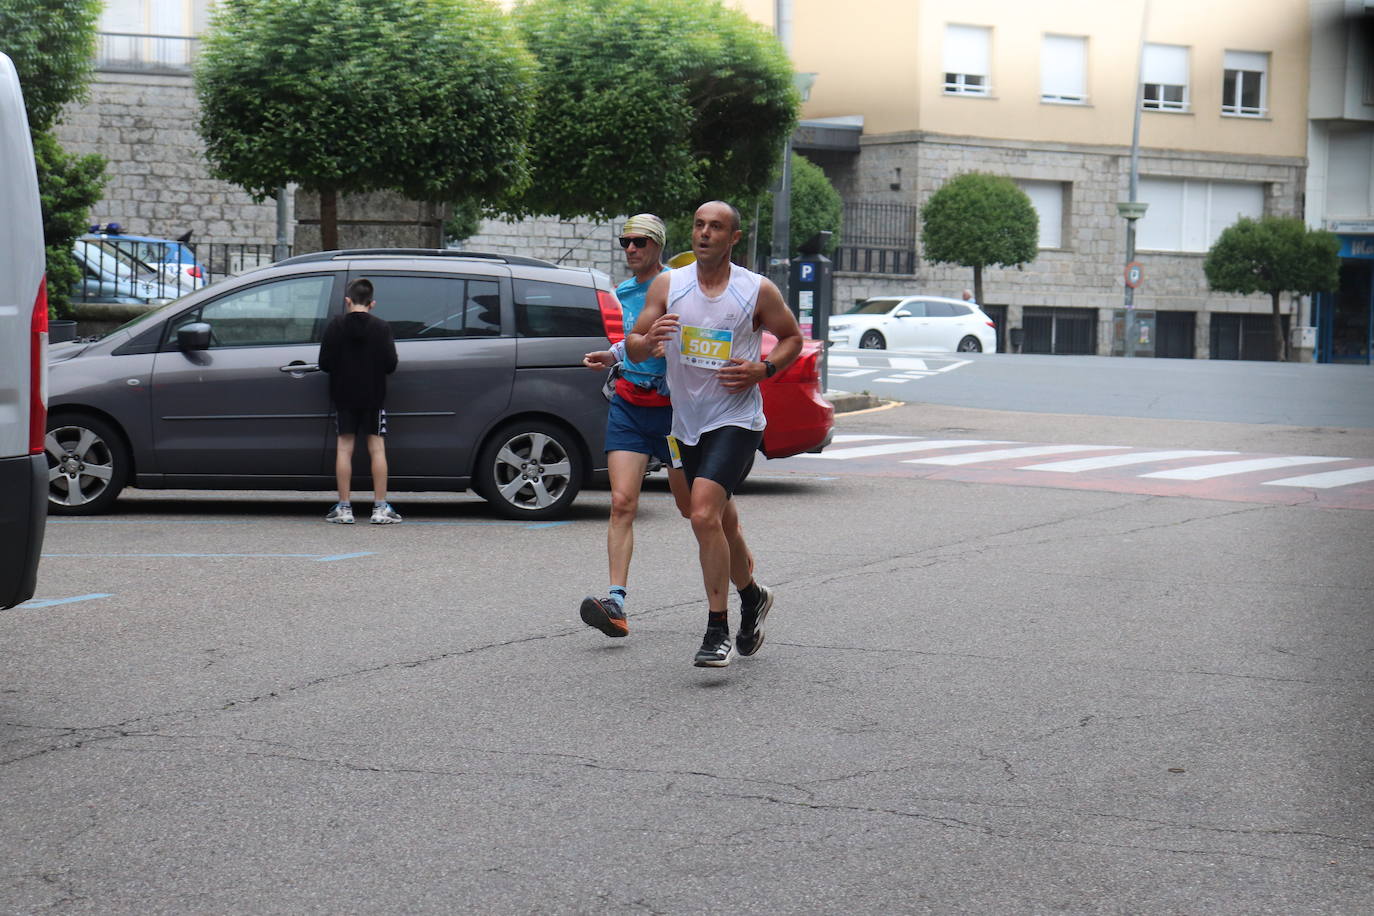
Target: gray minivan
<point>23,349</point>
<point>220,389</point>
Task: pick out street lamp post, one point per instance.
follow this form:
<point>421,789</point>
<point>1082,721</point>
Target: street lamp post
<point>1132,209</point>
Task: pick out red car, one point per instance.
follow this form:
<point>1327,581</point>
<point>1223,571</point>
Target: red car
<point>800,419</point>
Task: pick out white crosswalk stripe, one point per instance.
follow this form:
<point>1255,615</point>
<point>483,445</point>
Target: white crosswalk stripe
<point>1075,465</point>
<point>1326,479</point>
<point>894,448</point>
<point>1005,453</point>
<point>973,453</point>
<point>1227,468</point>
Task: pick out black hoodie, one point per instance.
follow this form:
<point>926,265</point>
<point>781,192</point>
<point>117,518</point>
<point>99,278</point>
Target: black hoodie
<point>358,352</point>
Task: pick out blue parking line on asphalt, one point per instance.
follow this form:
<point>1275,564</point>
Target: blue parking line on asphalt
<point>198,556</point>
<point>52,602</point>
<point>529,526</point>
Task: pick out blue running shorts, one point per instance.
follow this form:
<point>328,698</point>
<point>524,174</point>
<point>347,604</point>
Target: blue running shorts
<point>631,428</point>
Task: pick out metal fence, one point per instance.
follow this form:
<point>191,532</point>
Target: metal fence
<point>128,271</point>
<point>133,52</point>
<point>878,238</point>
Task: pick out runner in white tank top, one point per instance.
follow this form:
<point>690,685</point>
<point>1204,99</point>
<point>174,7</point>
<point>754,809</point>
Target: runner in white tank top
<point>709,318</point>
<point>711,331</point>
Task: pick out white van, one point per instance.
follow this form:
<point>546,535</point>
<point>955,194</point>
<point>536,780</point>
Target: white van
<point>23,351</point>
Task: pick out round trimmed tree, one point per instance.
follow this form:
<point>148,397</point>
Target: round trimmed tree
<point>428,98</point>
<point>1274,255</point>
<point>652,106</point>
<point>980,220</point>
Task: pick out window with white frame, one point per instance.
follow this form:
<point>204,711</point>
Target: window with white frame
<point>145,34</point>
<point>1244,84</point>
<point>1048,199</point>
<point>967,55</point>
<point>1164,73</point>
<point>1188,214</point>
<point>1064,69</point>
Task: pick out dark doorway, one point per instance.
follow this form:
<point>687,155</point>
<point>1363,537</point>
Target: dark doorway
<point>1060,331</point>
<point>998,313</point>
<point>1244,336</point>
<point>1174,334</point>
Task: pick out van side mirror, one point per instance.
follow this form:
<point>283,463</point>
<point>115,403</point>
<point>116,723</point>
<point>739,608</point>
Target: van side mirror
<point>193,336</point>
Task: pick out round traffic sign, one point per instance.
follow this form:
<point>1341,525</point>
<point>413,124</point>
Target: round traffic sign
<point>1135,272</point>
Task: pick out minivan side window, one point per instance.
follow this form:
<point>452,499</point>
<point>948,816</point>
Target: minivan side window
<point>544,309</point>
<point>433,308</point>
<point>291,311</point>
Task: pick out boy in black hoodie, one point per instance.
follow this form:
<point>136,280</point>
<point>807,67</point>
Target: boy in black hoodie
<point>359,353</point>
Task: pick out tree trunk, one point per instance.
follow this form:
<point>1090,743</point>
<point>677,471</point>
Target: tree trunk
<point>978,285</point>
<point>329,220</point>
<point>1280,342</point>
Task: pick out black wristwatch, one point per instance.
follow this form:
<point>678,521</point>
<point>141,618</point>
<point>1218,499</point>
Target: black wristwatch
<point>768,368</point>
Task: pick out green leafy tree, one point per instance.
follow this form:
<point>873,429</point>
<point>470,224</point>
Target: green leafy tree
<point>1274,255</point>
<point>652,106</point>
<point>980,220</point>
<point>428,98</point>
<point>816,206</point>
<point>52,44</point>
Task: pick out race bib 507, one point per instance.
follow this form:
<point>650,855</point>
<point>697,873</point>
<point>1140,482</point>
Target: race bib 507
<point>706,348</point>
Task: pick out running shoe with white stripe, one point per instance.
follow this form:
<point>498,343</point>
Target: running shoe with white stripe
<point>750,639</point>
<point>385,515</point>
<point>340,514</point>
<point>716,649</point>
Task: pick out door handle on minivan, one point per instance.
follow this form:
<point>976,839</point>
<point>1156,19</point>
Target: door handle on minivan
<point>299,368</point>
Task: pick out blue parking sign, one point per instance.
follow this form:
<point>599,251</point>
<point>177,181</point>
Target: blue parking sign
<point>808,272</point>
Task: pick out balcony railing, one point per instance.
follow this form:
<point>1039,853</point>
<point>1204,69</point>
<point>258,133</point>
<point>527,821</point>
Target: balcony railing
<point>132,52</point>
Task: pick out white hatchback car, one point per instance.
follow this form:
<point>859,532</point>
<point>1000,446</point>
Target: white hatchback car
<point>915,323</point>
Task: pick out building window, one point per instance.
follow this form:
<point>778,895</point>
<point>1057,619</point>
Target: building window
<point>1048,199</point>
<point>966,59</point>
<point>1243,84</point>
<point>1064,69</point>
<point>145,35</point>
<point>1350,174</point>
<point>1164,72</point>
<point>1187,214</point>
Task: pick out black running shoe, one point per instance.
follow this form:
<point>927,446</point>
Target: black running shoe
<point>605,615</point>
<point>716,649</point>
<point>750,638</point>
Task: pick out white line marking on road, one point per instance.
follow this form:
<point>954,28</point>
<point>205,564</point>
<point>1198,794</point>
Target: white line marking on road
<point>1227,468</point>
<point>52,602</point>
<point>861,437</point>
<point>852,373</point>
<point>1326,479</point>
<point>892,448</point>
<point>1004,453</point>
<point>1075,465</point>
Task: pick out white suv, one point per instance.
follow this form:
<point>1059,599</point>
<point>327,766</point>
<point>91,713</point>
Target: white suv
<point>23,351</point>
<point>915,323</point>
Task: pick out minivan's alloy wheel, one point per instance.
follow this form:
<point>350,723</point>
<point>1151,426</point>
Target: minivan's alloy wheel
<point>872,340</point>
<point>87,465</point>
<point>970,344</point>
<point>529,470</point>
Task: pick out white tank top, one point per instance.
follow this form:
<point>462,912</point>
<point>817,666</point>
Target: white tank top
<point>711,331</point>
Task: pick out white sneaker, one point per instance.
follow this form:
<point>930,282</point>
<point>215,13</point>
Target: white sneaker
<point>341,514</point>
<point>385,515</point>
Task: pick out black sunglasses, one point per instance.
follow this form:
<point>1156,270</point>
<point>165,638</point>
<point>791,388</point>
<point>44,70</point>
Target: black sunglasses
<point>638,242</point>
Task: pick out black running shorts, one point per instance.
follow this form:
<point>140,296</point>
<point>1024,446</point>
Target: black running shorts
<point>724,455</point>
<point>350,421</point>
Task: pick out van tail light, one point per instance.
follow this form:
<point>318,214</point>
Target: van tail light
<point>611,317</point>
<point>38,371</point>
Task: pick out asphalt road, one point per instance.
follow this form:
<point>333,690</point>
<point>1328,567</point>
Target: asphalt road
<point>975,697</point>
<point>1291,394</point>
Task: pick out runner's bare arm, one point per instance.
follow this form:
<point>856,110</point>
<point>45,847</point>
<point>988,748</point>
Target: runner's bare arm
<point>654,326</point>
<point>772,315</point>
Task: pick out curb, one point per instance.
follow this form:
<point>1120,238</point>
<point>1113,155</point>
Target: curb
<point>847,401</point>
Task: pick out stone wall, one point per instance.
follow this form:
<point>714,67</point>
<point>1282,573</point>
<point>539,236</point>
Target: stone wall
<point>1087,271</point>
<point>159,183</point>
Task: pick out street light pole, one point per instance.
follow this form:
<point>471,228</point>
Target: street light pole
<point>1131,209</point>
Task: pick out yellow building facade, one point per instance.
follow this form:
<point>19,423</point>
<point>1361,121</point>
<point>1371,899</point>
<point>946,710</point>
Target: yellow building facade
<point>909,93</point>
